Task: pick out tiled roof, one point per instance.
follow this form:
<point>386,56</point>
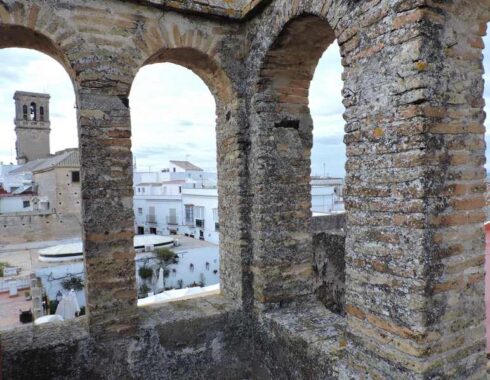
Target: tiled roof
<point>68,158</point>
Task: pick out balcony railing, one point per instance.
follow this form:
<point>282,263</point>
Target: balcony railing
<point>151,219</point>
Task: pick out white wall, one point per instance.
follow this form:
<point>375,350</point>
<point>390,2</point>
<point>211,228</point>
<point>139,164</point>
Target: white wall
<point>324,199</point>
<point>207,198</point>
<point>162,211</point>
<point>10,181</point>
<point>14,204</point>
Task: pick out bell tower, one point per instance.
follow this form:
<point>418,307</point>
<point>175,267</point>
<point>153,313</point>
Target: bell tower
<point>32,126</point>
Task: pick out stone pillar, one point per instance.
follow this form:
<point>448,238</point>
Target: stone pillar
<point>36,296</point>
<point>234,202</point>
<point>414,194</point>
<point>107,210</point>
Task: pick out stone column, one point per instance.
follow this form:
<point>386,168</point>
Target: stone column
<point>107,210</point>
<point>234,206</point>
<point>414,193</point>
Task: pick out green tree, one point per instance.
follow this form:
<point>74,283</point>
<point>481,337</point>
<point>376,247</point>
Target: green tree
<point>166,257</point>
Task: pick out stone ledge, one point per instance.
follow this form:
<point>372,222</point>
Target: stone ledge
<point>306,338</point>
<point>174,340</point>
<point>170,312</point>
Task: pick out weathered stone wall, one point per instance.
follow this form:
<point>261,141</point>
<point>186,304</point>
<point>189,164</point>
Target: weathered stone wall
<point>329,267</point>
<point>198,339</point>
<point>23,227</point>
<point>413,93</point>
<point>63,194</point>
<point>329,260</point>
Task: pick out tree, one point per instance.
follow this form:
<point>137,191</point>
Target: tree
<point>72,282</point>
<point>166,257</point>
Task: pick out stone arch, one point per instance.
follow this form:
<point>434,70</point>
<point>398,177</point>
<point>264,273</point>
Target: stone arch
<point>202,65</point>
<point>20,27</point>
<point>196,55</point>
<point>282,138</point>
<point>290,63</point>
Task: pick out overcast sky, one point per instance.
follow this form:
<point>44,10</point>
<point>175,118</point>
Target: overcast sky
<point>172,110</point>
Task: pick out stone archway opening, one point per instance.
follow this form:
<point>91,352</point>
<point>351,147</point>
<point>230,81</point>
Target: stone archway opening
<point>40,178</point>
<point>283,134</point>
<point>176,100</point>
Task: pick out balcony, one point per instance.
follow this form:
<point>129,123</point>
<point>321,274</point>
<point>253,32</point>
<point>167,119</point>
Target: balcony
<point>152,219</point>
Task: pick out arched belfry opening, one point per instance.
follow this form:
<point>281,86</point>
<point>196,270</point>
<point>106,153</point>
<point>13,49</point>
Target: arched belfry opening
<point>282,139</point>
<point>175,101</point>
<point>33,112</point>
<point>40,175</point>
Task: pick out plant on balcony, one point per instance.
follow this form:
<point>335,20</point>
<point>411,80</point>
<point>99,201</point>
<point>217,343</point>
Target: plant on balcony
<point>72,282</point>
<point>2,267</point>
<point>145,272</point>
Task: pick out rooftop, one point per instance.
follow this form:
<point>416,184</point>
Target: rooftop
<point>30,94</point>
<point>68,158</point>
<point>186,165</point>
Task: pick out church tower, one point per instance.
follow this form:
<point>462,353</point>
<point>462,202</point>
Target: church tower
<point>32,126</point>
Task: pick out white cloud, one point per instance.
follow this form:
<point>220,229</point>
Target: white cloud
<point>328,154</point>
<point>172,107</point>
<point>172,110</point>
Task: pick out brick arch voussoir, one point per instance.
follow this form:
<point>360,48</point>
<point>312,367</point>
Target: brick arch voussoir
<point>31,26</point>
<point>189,47</point>
<point>332,13</point>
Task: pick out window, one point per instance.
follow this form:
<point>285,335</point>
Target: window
<point>151,214</point>
<point>164,190</point>
<point>199,211</point>
<point>141,230</point>
<point>199,214</point>
<point>41,113</point>
<point>140,210</point>
<point>33,111</point>
<point>24,112</point>
<point>189,214</point>
<point>75,176</point>
<point>139,190</point>
<point>172,216</point>
<point>215,215</point>
<point>180,189</point>
<point>143,190</point>
<point>26,204</point>
<point>216,226</point>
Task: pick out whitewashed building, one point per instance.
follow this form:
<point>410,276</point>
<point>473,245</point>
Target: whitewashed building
<point>327,194</point>
<point>160,199</point>
<point>183,199</point>
<point>11,182</point>
<point>200,211</point>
